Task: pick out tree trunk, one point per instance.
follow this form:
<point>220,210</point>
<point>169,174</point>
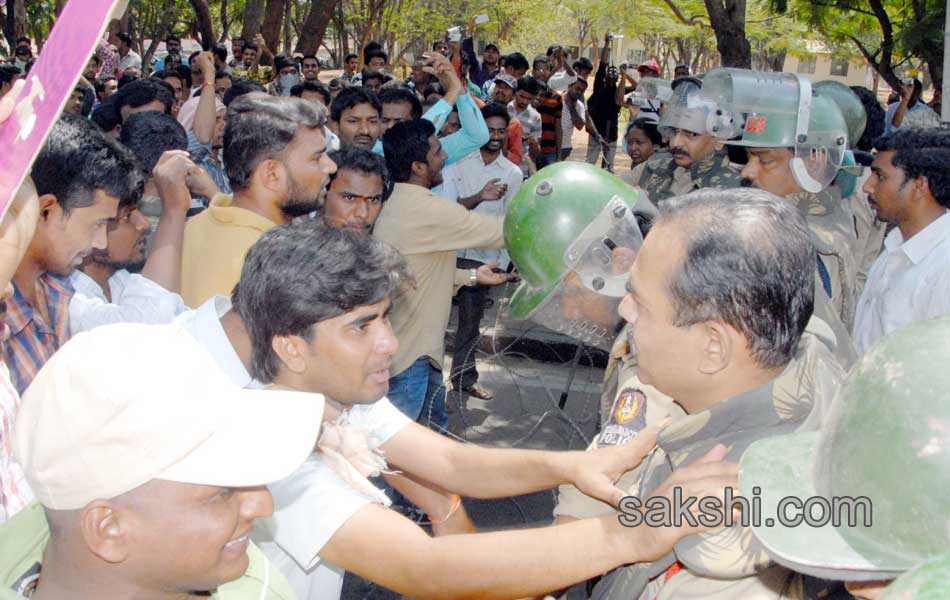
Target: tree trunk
<point>20,21</point>
<point>288,28</point>
<point>225,22</point>
<point>315,26</point>
<point>165,24</point>
<point>253,18</point>
<point>273,19</point>
<point>728,22</point>
<point>203,23</point>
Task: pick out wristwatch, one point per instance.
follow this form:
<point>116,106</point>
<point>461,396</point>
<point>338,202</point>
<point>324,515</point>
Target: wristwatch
<point>473,277</point>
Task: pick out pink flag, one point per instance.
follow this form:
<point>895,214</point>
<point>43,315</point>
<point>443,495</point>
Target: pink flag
<point>48,85</point>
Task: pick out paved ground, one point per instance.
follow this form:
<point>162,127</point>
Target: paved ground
<point>522,414</point>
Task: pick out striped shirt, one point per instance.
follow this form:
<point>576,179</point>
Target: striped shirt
<point>32,340</point>
<point>550,107</point>
<point>15,493</point>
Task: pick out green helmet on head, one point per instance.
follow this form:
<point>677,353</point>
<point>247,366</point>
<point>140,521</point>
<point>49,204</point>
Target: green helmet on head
<point>572,234</point>
<point>783,111</point>
<point>849,104</point>
<point>929,581</point>
<point>885,443</point>
<point>691,111</point>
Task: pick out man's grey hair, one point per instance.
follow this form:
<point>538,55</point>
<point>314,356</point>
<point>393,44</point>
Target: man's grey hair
<point>260,127</point>
<point>749,262</point>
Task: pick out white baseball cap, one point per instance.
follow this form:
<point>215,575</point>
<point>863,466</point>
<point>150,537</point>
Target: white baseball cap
<point>124,404</point>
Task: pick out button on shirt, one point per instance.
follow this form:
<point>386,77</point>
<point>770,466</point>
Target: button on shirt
<point>909,281</point>
<point>466,178</point>
<point>33,338</point>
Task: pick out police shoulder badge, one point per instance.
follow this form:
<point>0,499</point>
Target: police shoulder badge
<point>627,418</point>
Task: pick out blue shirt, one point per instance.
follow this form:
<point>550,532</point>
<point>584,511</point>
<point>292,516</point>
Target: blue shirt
<point>472,136</point>
<point>202,155</point>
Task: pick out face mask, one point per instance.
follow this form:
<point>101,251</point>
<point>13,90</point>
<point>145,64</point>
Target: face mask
<point>287,82</point>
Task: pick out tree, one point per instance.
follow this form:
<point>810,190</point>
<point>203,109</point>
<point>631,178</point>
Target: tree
<point>887,33</point>
<point>203,22</point>
<point>315,27</point>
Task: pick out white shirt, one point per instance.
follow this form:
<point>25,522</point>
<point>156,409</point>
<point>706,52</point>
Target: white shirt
<point>130,60</point>
<point>204,324</point>
<point>560,81</point>
<point>529,118</point>
<point>466,177</point>
<point>135,299</point>
<point>909,281</point>
<point>567,124</point>
<point>313,503</point>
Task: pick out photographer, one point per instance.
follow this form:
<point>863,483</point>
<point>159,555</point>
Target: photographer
<point>484,68</point>
<point>604,109</point>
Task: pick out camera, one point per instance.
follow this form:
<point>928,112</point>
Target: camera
<point>455,34</point>
<point>907,81</point>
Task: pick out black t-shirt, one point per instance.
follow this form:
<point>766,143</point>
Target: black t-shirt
<point>602,104</point>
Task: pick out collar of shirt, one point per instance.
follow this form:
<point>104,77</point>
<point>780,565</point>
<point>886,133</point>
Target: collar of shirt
<point>923,243</point>
<point>52,290</point>
<point>204,324</point>
<point>222,210</point>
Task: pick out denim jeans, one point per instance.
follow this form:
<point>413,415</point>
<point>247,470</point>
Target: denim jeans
<point>420,394</point>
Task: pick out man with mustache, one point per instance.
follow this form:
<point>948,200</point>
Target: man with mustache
<point>275,153</point>
<point>909,187</point>
<point>81,177</point>
<point>696,156</point>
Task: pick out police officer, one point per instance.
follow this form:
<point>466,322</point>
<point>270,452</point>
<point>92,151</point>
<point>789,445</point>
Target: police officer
<point>885,443</point>
<point>796,138</point>
<point>695,129</point>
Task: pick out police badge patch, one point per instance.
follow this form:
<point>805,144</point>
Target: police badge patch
<point>627,418</point>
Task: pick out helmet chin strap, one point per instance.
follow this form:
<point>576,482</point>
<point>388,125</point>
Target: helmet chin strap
<point>799,170</point>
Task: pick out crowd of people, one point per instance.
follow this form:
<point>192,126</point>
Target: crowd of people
<point>229,284</point>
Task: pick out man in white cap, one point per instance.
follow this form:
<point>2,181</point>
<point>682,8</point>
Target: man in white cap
<point>149,478</point>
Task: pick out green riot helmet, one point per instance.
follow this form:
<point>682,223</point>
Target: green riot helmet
<point>849,104</point>
<point>929,581</point>
<point>783,111</point>
<point>572,234</point>
<point>690,110</point>
<point>882,456</point>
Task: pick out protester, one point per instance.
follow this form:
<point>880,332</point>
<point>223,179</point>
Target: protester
<point>604,109</point>
<point>357,191</point>
<point>128,58</point>
<point>275,155</point>
<point>315,302</point>
<point>909,189</point>
<point>910,111</point>
<point>81,176</point>
<point>428,230</point>
<point>355,118</point>
<point>483,182</point>
<point>641,141</point>
<point>133,503</point>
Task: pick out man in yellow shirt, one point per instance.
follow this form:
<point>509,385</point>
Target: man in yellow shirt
<point>275,155</point>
